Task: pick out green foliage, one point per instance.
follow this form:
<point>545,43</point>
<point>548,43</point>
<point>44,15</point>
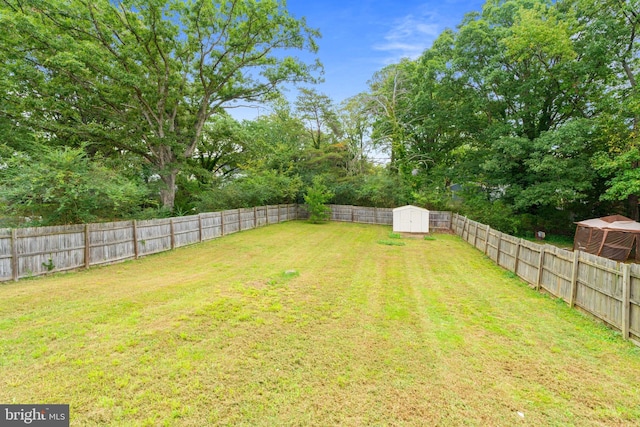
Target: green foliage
<point>144,77</point>
<point>382,189</point>
<point>49,265</point>
<point>391,243</point>
<point>393,235</point>
<point>259,188</point>
<point>483,208</point>
<point>63,186</point>
<point>316,198</point>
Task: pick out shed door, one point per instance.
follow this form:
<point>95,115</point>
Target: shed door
<point>417,225</point>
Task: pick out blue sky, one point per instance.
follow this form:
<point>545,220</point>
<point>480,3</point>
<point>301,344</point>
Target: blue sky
<point>360,37</point>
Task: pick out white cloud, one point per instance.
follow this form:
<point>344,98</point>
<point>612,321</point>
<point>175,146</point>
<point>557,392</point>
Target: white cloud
<point>409,36</point>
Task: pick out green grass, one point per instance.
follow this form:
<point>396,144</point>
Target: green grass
<point>564,242</point>
<point>300,324</point>
<point>390,242</point>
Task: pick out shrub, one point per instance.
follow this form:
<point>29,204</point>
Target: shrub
<point>316,198</point>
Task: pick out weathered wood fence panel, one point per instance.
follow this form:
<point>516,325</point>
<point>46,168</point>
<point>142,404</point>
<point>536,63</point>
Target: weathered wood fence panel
<point>231,221</point>
<point>186,230</point>
<point>528,261</point>
<point>40,250</point>
<point>111,242</point>
<point>6,255</point>
<point>273,214</point>
<point>439,220</point>
<point>599,288</point>
<point>154,236</point>
<point>211,225</point>
<point>262,216</point>
<point>342,213</point>
<point>556,274</point>
<point>608,290</point>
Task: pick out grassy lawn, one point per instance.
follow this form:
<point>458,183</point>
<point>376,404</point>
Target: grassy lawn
<point>362,333</point>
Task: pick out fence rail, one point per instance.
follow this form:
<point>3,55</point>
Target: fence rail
<point>438,220</point>
<point>608,290</point>
<point>26,252</point>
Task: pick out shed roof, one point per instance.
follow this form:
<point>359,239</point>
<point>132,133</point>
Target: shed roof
<point>401,208</point>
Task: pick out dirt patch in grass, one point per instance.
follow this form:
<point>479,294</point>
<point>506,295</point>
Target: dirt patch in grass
<point>430,333</point>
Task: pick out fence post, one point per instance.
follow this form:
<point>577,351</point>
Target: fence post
<point>574,278</point>
<point>464,226</point>
<point>14,255</point>
<point>475,236</point>
<point>353,218</point>
<point>626,300</point>
<point>515,266</point>
<point>487,233</point>
<point>221,223</point>
<point>278,213</point>
<point>255,217</point>
<point>540,266</point>
<point>135,239</point>
<point>173,235</point>
<point>239,220</point>
<point>87,246</point>
<point>200,228</point>
<point>450,220</point>
<point>499,235</point>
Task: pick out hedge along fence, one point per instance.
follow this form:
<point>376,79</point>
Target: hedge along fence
<point>26,252</point>
<point>606,289</point>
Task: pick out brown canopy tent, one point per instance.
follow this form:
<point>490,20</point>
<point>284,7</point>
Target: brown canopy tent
<point>611,237</point>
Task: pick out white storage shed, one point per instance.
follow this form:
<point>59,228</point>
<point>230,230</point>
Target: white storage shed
<point>410,219</point>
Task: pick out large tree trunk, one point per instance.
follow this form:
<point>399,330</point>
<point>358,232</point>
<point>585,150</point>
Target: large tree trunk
<point>168,192</point>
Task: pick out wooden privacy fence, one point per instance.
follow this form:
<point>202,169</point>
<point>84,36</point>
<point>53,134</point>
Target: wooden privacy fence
<point>606,289</point>
<point>438,220</point>
<point>26,252</point>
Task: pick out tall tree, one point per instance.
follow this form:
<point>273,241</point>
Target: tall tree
<point>143,76</point>
<point>388,91</point>
<point>532,75</point>
<point>317,111</point>
<point>356,127</point>
<point>612,28</point>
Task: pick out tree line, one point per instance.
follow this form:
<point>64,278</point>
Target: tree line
<point>525,116</point>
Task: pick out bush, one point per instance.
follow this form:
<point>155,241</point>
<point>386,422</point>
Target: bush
<point>63,186</point>
<point>316,198</point>
<point>258,189</point>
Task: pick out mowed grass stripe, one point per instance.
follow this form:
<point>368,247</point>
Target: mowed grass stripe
<point>362,334</point>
